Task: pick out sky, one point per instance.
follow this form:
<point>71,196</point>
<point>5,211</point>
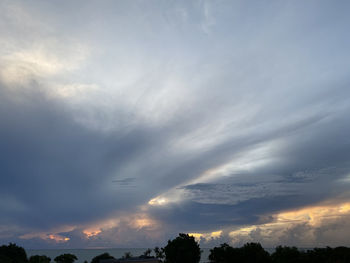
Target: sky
<point>124,123</point>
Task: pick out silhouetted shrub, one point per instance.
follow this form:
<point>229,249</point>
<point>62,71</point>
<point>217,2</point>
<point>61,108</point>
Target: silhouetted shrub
<point>127,255</point>
<point>102,256</point>
<point>12,254</point>
<point>249,253</point>
<point>224,254</point>
<point>65,258</point>
<point>254,252</point>
<point>286,255</point>
<point>4,259</point>
<point>327,255</point>
<point>183,249</point>
<point>341,254</point>
<point>319,255</point>
<point>159,252</point>
<point>39,259</point>
<point>147,253</point>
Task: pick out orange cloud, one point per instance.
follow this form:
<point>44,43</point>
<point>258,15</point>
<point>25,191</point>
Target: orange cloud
<point>45,236</point>
<point>314,215</point>
<point>58,238</point>
<point>91,232</point>
<point>311,219</point>
<point>134,221</point>
<point>52,235</point>
<point>206,236</point>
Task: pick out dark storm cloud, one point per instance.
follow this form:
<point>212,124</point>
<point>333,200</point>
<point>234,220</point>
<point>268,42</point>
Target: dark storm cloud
<point>181,89</point>
<point>308,169</point>
<point>56,171</point>
<point>204,217</point>
<point>53,169</point>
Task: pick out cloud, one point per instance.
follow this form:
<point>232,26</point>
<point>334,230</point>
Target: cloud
<point>133,126</point>
<point>319,225</point>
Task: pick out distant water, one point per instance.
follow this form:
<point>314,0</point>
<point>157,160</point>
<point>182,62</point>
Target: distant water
<point>88,254</point>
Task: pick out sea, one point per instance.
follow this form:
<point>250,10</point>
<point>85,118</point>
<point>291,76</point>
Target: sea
<point>89,254</point>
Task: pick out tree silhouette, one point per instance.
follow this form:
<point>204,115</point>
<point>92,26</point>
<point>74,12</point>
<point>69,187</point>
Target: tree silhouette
<point>183,249</point>
<point>65,258</point>
<point>127,255</point>
<point>159,253</point>
<point>12,254</point>
<point>39,259</point>
<point>254,253</point>
<point>286,255</point>
<point>224,254</point>
<point>249,253</point>
<point>147,253</point>
<point>102,256</point>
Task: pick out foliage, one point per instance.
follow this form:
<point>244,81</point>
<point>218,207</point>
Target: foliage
<point>224,254</point>
<point>127,255</point>
<point>102,256</point>
<point>254,252</point>
<point>147,253</point>
<point>249,253</point>
<point>183,249</point>
<point>65,258</point>
<point>286,255</point>
<point>4,259</point>
<point>12,254</point>
<point>159,252</point>
<point>39,259</point>
<point>326,255</point>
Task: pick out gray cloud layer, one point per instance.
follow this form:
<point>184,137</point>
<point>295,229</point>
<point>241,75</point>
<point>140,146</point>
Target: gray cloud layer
<point>102,112</point>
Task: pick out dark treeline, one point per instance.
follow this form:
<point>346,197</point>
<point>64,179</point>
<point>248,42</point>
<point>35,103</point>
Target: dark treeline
<point>185,249</point>
<point>254,252</point>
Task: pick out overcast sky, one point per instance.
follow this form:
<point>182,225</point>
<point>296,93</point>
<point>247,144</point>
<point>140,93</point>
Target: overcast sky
<point>123,123</point>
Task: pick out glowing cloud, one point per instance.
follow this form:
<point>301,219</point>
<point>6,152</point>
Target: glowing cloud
<point>158,201</point>
<point>310,219</point>
<point>91,232</point>
<point>58,238</point>
<point>52,237</point>
<point>206,236</point>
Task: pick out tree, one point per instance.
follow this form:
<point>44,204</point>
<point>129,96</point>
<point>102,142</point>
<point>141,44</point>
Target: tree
<point>183,249</point>
<point>341,254</point>
<point>4,259</point>
<point>159,253</point>
<point>65,258</point>
<point>147,253</point>
<point>254,253</point>
<point>39,259</point>
<point>224,254</point>
<point>286,255</point>
<point>249,253</point>
<point>102,256</point>
<point>127,255</point>
<point>13,254</point>
<point>327,255</point>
